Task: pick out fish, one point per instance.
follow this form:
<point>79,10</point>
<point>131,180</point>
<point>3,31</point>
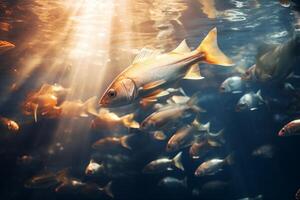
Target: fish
<point>182,138</point>
<point>291,128</point>
<point>297,195</point>
<point>170,114</point>
<point>76,186</point>
<point>5,46</point>
<point>9,125</point>
<point>151,72</point>
<point>44,101</point>
<point>285,3</point>
<point>213,166</point>
<point>258,197</point>
<point>232,85</point>
<point>250,101</point>
<point>47,179</point>
<point>164,164</point>
<point>274,63</point>
<point>109,121</point>
<point>93,168</point>
<point>112,142</point>
<point>266,151</point>
<point>171,182</point>
<point>75,109</point>
<point>200,148</point>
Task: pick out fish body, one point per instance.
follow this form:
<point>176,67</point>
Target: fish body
<point>112,143</point>
<point>93,168</point>
<point>250,101</point>
<point>171,182</point>
<point>182,138</point>
<point>164,164</point>
<point>291,128</point>
<point>151,72</point>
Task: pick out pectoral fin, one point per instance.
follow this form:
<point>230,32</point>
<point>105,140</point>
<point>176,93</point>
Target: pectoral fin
<point>193,73</point>
<point>153,85</point>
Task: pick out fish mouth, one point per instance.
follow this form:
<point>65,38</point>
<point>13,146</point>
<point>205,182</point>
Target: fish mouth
<point>222,89</point>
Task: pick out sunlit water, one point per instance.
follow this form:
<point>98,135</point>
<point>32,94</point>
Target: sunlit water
<point>84,44</point>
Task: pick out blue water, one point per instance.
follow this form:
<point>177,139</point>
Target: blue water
<point>115,31</point>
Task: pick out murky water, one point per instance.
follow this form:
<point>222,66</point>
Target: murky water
<point>85,44</point>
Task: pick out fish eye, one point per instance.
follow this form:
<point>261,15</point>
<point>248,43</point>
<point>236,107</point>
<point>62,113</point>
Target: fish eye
<point>112,93</point>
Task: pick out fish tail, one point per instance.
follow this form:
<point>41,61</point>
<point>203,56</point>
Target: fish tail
<point>201,127</point>
<point>213,55</point>
<point>217,137</point>
<point>89,106</point>
<point>177,161</point>
<point>107,189</point>
<point>124,141</point>
<point>128,121</point>
<point>62,175</point>
<point>193,103</point>
<point>230,159</point>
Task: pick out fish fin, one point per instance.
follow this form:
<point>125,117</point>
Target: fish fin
<point>62,175</point>
<point>213,55</point>
<point>253,109</point>
<point>89,107</point>
<point>182,48</point>
<point>213,143</point>
<point>124,141</point>
<point>219,136</point>
<point>193,73</point>
<point>193,101</point>
<point>154,95</point>
<point>237,92</point>
<point>258,93</point>
<point>128,121</point>
<point>285,3</point>
<point>107,189</point>
<point>177,161</point>
<point>35,110</point>
<point>145,54</point>
<point>292,75</point>
<point>153,85</point>
<point>230,159</point>
<point>180,99</point>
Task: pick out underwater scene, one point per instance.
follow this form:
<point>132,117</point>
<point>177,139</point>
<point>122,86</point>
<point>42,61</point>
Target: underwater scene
<point>149,99</point>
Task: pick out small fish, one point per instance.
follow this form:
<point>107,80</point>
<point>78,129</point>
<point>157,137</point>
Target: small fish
<point>9,125</point>
<point>297,195</point>
<point>258,197</point>
<point>200,148</point>
<point>109,121</point>
<point>285,3</point>
<point>171,114</point>
<point>182,138</point>
<point>47,179</point>
<point>171,182</point>
<point>213,166</point>
<point>73,109</point>
<point>250,101</point>
<point>93,168</point>
<point>232,85</point>
<point>266,151</point>
<point>44,101</point>
<point>112,142</point>
<point>164,164</point>
<point>160,71</point>
<point>5,46</point>
<point>291,128</point>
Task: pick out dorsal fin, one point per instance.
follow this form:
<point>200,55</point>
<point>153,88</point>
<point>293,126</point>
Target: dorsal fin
<point>145,54</point>
<point>182,48</point>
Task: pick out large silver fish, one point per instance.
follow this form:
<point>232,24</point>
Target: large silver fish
<point>151,72</point>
